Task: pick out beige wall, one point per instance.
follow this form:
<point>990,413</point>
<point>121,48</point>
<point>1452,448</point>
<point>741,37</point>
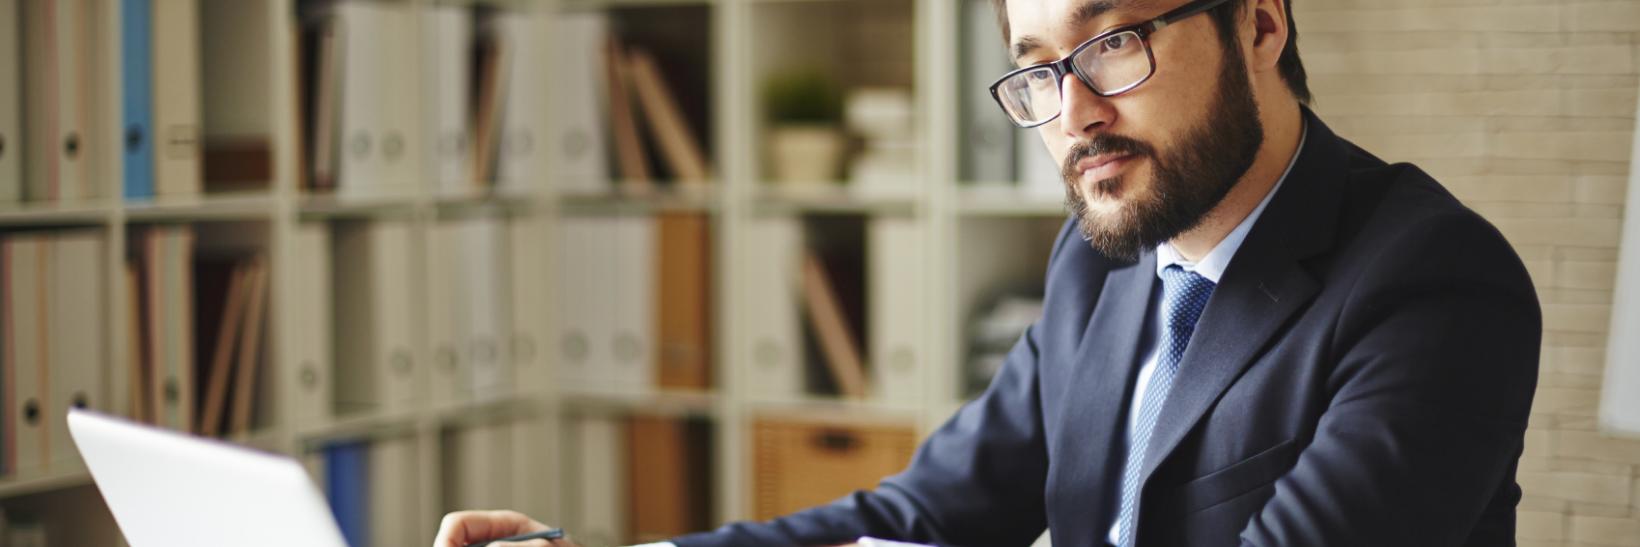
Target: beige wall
<point>1525,110</point>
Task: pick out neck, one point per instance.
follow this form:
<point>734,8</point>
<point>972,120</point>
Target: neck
<point>1283,125</point>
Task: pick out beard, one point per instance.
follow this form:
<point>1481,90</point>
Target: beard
<point>1189,180</point>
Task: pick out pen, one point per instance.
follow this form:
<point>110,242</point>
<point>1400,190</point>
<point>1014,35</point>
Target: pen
<point>549,535</point>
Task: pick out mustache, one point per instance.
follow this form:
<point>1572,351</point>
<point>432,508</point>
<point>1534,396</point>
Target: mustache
<point>1100,145</point>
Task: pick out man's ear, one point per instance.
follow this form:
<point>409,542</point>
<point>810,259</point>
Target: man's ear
<point>1269,33</point>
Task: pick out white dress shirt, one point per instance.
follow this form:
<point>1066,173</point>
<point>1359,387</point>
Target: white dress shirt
<point>1211,267</point>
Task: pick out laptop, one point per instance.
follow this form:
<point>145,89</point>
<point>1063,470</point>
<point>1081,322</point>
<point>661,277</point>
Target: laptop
<point>167,489</point>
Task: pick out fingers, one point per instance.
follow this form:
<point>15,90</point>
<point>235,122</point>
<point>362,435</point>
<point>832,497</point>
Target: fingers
<point>530,543</point>
<point>463,527</point>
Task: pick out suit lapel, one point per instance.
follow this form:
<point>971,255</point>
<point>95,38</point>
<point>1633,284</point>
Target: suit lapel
<point>1264,285</point>
<point>1102,374</point>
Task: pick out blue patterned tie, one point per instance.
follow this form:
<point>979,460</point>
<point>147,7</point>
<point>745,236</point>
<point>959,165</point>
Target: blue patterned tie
<point>1184,295</point>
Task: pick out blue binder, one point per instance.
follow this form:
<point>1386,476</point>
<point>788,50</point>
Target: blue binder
<point>137,73</point>
<point>347,487</point>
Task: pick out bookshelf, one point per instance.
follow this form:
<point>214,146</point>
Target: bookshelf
<point>961,240</point>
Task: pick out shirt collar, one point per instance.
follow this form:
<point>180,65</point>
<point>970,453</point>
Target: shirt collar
<point>1212,266</point>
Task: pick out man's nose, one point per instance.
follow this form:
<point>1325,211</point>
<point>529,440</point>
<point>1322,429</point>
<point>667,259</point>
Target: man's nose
<point>1081,111</point>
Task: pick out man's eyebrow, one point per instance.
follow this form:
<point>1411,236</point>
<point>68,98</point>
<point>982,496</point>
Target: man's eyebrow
<point>1083,13</point>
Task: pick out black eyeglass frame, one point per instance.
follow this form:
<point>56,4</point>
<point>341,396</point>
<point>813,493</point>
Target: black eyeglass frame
<point>1065,65</point>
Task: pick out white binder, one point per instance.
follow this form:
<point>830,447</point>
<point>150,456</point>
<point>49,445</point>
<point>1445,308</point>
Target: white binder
<point>528,276</point>
<point>446,52</point>
<point>376,367</point>
<point>772,353</point>
<point>988,137</point>
<point>895,298</point>
<point>520,158</point>
<point>169,252</point>
<point>583,311</point>
<point>27,305</point>
<point>178,163</point>
<point>393,480</point>
<point>597,480</point>
<point>56,48</point>
<point>310,298</point>
<point>78,316</point>
<point>577,149</point>
<point>479,463</point>
<point>11,92</point>
<point>378,99</point>
<point>449,385</point>
<point>479,282</point>
<point>629,287</point>
<point>534,451</point>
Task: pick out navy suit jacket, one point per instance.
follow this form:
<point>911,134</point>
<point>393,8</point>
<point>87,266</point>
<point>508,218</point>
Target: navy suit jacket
<point>1361,376</point>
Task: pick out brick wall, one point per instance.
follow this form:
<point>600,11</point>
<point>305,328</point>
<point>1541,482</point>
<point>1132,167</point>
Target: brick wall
<point>1526,110</point>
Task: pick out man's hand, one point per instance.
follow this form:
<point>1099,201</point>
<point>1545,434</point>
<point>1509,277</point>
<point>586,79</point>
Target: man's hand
<point>465,527</point>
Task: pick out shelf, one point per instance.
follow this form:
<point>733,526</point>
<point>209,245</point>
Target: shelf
<point>458,205</point>
<point>676,403</point>
<point>673,200</point>
<point>55,214</point>
<point>834,409</point>
<point>1007,201</point>
<point>319,206</point>
<point>224,207</point>
<point>829,197</point>
<point>510,408</point>
<point>358,427</point>
<point>34,483</point>
<point>589,5</point>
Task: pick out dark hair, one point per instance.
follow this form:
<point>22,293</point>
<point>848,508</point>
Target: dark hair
<point>1292,69</point>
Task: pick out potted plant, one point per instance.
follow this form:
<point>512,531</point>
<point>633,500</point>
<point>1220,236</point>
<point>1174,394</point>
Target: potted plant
<point>805,139</point>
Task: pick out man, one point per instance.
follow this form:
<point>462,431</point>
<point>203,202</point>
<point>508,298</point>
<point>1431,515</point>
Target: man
<point>1255,333</point>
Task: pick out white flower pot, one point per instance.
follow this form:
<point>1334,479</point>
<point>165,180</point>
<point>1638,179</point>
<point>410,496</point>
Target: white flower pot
<point>805,153</point>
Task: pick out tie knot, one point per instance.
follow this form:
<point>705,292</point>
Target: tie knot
<point>1184,295</point>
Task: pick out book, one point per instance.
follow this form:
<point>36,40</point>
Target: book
<point>310,362</point>
<point>669,472</point>
<point>237,141</point>
<point>988,138</point>
<point>839,345</point>
<point>447,45</point>
<point>220,293</point>
<point>250,351</point>
<point>167,255</point>
<point>773,343</point>
<point>576,147</point>
<point>521,148</point>
<point>11,114</point>
<point>684,334</point>
<point>631,157</point>
<point>895,298</point>
<point>178,167</point>
<point>493,58</point>
<point>670,129</point>
<point>137,97</point>
<point>76,331</point>
<point>26,260</point>
<point>347,489</point>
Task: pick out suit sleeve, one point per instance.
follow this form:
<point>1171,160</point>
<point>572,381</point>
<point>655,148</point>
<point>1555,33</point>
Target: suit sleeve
<point>1437,354</point>
<point>978,480</point>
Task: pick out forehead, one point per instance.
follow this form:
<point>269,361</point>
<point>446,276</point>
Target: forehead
<point>1041,22</point>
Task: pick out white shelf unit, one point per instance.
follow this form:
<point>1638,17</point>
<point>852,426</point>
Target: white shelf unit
<point>939,205</point>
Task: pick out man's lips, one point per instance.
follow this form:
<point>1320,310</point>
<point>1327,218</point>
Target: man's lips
<point>1104,166</point>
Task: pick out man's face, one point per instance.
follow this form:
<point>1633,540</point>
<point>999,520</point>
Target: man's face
<point>1144,166</point>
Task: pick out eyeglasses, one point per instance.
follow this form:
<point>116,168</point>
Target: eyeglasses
<point>1112,63</point>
